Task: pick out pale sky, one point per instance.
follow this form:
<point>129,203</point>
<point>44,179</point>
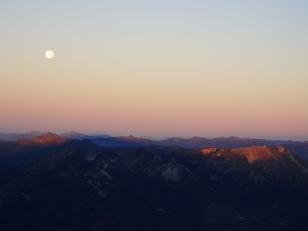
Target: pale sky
<point>157,68</point>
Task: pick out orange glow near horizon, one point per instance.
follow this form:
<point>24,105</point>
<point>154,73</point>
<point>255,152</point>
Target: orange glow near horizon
<point>158,71</point>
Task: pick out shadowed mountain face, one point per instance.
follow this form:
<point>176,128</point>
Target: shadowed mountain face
<point>300,148</point>
<point>80,186</point>
<point>16,154</point>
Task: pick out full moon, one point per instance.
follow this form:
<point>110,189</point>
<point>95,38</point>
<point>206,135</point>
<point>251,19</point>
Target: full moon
<point>49,54</point>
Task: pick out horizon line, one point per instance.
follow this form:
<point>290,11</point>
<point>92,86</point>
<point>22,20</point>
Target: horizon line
<point>155,137</point>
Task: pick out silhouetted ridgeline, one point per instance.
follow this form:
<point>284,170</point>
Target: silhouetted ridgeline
<point>55,183</point>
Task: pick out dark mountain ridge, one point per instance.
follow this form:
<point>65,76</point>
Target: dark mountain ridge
<point>81,186</point>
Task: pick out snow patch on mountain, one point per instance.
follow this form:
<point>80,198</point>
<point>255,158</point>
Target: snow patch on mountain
<point>172,173</point>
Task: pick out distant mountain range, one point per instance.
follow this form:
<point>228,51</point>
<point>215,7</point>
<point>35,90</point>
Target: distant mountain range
<point>298,147</point>
<point>30,135</point>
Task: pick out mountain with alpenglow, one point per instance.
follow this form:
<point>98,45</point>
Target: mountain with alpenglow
<point>44,139</point>
<point>78,185</point>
